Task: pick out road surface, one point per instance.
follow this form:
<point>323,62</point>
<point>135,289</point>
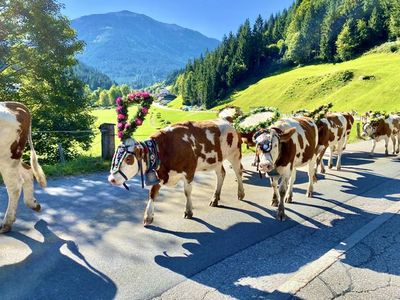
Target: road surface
<point>89,243</point>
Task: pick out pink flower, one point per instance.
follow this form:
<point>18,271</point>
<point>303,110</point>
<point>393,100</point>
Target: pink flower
<point>127,125</point>
<point>121,116</point>
<point>138,122</point>
<point>145,95</point>
<point>118,100</point>
<point>145,110</point>
<point>131,96</point>
<point>120,134</point>
<point>121,125</point>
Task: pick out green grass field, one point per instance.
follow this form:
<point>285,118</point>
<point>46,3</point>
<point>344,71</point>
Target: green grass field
<point>310,86</point>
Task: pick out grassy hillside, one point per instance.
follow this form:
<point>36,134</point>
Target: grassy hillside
<point>310,86</point>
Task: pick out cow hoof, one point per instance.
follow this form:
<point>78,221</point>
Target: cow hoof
<point>274,203</point>
<point>330,166</point>
<point>37,208</point>
<point>241,196</point>
<point>281,215</point>
<point>386,153</point>
<point>147,221</point>
<point>289,199</point>
<point>338,168</point>
<point>188,215</point>
<point>310,194</point>
<point>5,228</point>
<point>315,179</point>
<point>323,171</point>
<point>214,203</point>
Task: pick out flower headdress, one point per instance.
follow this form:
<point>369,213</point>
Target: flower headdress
<point>127,127</point>
<point>256,119</point>
<point>376,116</point>
<point>320,112</point>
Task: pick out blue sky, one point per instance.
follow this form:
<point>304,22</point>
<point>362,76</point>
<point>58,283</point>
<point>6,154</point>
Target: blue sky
<point>213,18</point>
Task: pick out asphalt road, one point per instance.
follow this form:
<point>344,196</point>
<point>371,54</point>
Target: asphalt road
<point>89,242</point>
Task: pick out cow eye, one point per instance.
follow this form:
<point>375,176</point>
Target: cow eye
<point>130,159</point>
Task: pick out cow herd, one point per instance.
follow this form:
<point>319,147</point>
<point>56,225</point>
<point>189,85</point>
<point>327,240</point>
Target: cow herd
<point>180,151</point>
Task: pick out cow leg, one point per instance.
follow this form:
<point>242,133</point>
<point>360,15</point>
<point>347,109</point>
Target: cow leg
<point>289,193</point>
<point>386,146</point>
<point>320,161</point>
<point>149,212</point>
<point>275,191</point>
<point>330,163</point>
<point>188,193</point>
<point>398,143</point>
<point>13,182</point>
<point>27,186</point>
<point>394,143</point>
<point>373,146</point>
<point>339,157</point>
<point>238,169</point>
<point>282,192</point>
<point>220,171</point>
<point>311,177</point>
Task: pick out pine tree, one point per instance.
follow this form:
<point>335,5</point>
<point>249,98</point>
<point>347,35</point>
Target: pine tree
<point>347,42</point>
<point>394,22</point>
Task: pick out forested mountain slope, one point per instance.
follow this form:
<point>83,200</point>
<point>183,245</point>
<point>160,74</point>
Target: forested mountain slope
<point>309,32</point>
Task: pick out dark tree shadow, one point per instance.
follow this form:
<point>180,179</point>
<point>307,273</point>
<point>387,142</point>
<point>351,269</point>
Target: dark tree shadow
<point>62,278</point>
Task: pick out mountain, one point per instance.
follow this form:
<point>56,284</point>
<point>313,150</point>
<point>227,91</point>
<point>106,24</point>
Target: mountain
<point>92,77</point>
<point>136,49</point>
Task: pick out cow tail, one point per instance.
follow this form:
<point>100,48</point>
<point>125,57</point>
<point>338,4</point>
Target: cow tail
<point>36,168</point>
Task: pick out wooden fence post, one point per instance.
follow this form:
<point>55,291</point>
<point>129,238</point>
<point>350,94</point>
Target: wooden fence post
<point>359,130</point>
<point>107,140</point>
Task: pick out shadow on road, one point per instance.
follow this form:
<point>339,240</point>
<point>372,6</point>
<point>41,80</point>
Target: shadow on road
<point>290,250</point>
<point>51,274</point>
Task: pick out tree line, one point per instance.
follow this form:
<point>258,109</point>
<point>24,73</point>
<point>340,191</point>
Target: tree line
<point>309,31</point>
<point>37,54</point>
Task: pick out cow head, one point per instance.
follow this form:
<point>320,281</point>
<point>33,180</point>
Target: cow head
<point>126,162</point>
<point>269,143</point>
<point>369,130</point>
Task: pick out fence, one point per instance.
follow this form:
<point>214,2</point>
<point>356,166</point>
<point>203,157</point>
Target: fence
<point>106,139</point>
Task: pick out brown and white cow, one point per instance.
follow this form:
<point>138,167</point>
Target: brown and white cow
<point>384,129</point>
<point>287,145</point>
<point>333,133</point>
<point>15,131</point>
<point>184,149</point>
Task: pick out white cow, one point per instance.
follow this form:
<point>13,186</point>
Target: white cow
<point>15,131</point>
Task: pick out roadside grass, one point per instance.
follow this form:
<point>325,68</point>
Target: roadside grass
<point>80,165</point>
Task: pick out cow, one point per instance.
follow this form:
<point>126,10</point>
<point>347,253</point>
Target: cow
<point>383,129</point>
<point>15,131</point>
<point>333,133</point>
<point>183,149</point>
<point>289,144</point>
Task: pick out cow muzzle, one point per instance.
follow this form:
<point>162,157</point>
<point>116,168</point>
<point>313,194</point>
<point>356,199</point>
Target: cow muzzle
<point>266,167</point>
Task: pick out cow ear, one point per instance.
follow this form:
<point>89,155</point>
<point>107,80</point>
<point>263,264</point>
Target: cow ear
<point>139,153</point>
<point>285,136</point>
